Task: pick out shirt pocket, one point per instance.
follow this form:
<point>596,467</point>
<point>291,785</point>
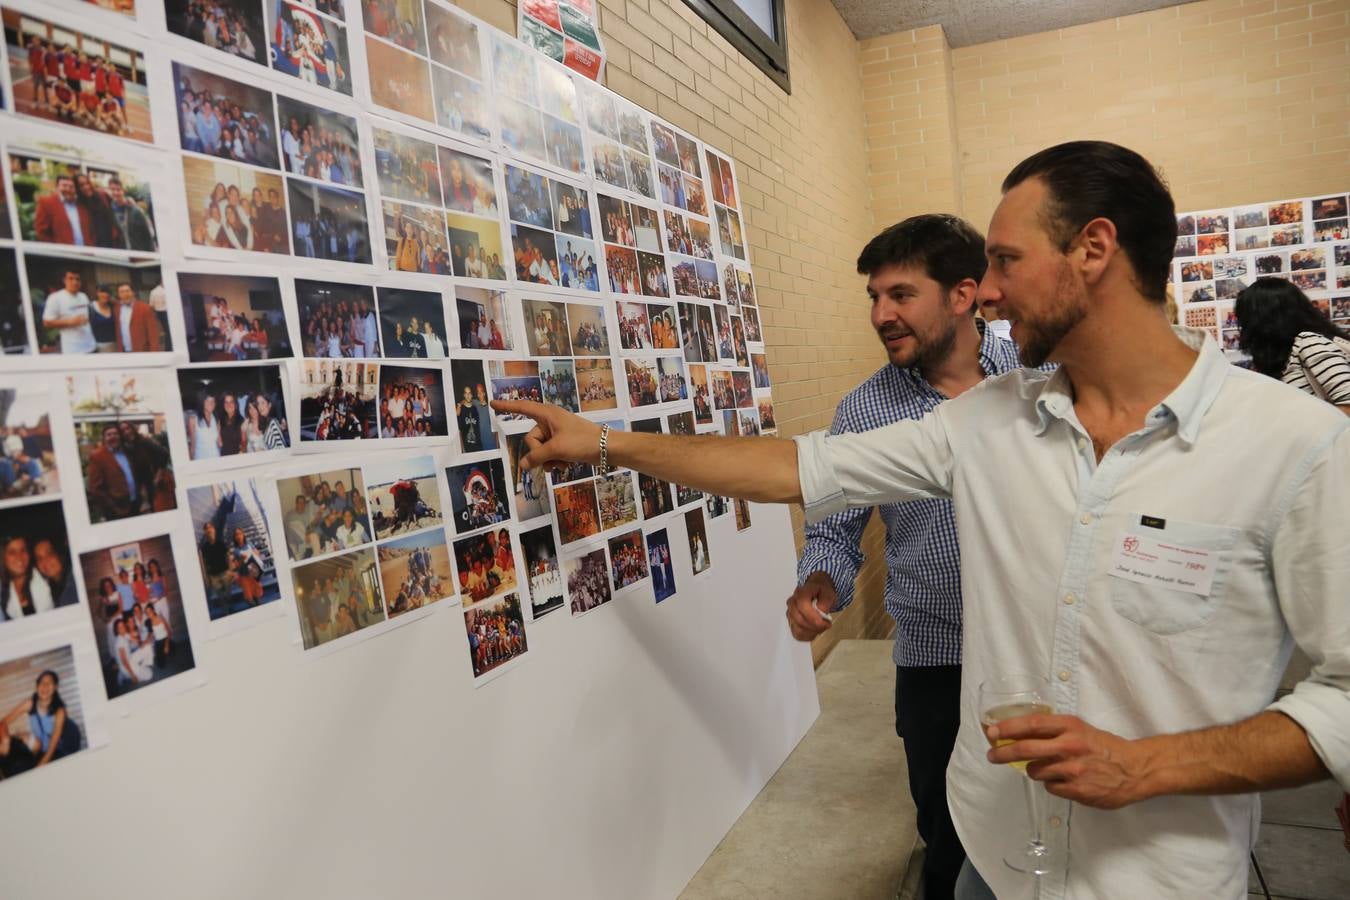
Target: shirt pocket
<point>1164,610</point>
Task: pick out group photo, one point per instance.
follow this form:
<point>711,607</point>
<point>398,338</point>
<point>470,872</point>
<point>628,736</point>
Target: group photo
<point>318,144</point>
<point>77,202</point>
<point>123,445</point>
<point>496,634</point>
<point>404,496</point>
<point>234,548</point>
<point>136,606</point>
<point>475,246</point>
<point>616,499</point>
<point>590,334</point>
<point>514,380</point>
<point>627,559</point>
<point>577,511</point>
<point>35,574</point>
<point>309,43</point>
<point>41,711</point>
<point>588,584</point>
<point>230,26</point>
<point>337,400</point>
<point>412,323</point>
<point>324,512</point>
<point>221,117</point>
<point>406,167</point>
<point>473,416</point>
<point>233,318</point>
<point>328,223</point>
<point>478,494</point>
<point>595,385</point>
<point>412,402</point>
<point>484,321</point>
<point>547,331</point>
<point>234,207</point>
<point>660,564</point>
<point>27,457</point>
<point>486,564</point>
<point>84,304</point>
<point>337,320</point>
<point>233,411</point>
<point>529,485</point>
<point>467,182</point>
<point>415,571</point>
<point>337,596</point>
<point>542,571</point>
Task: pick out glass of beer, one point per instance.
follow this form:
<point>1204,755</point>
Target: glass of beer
<point>1008,697</point>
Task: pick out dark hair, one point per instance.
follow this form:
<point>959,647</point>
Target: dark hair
<point>57,702</point>
<point>1088,180</point>
<point>949,248</point>
<point>1272,312</point>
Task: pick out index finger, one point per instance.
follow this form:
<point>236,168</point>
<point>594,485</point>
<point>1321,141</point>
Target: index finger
<point>1034,726</point>
<point>527,408</point>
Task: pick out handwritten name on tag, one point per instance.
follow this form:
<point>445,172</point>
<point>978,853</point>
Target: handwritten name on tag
<point>1164,564</point>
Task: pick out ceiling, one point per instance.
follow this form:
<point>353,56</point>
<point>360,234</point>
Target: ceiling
<point>978,21</point>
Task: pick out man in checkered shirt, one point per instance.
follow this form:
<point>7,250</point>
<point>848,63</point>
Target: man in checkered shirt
<point>922,276</point>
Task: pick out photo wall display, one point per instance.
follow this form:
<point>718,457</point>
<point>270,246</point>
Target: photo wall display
<point>1221,252</point>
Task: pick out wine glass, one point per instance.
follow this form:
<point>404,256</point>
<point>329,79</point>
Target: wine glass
<point>1007,697</point>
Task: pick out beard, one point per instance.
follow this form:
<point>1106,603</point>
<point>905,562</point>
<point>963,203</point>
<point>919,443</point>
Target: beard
<point>1042,335</point>
<point>931,347</point>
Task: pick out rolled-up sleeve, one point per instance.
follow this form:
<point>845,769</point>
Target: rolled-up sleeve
<point>1312,578</point>
<point>910,460</point>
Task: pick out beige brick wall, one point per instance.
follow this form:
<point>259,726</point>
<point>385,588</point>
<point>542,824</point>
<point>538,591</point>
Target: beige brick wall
<point>801,163</point>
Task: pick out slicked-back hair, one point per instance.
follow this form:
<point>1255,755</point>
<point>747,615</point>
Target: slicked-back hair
<point>949,248</point>
<point>1087,180</point>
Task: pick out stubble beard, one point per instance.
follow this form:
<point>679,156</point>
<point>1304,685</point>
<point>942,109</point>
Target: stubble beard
<point>1042,335</point>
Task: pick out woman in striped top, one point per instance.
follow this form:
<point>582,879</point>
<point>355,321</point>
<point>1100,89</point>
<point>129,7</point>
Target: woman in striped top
<point>1290,339</point>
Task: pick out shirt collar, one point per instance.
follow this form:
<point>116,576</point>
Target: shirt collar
<point>1187,403</point>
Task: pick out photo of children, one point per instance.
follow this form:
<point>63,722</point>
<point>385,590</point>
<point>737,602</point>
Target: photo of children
<point>577,512</point>
<point>415,571</point>
<point>218,116</point>
<point>136,608</point>
<point>406,167</point>
<point>542,571</point>
<point>117,317</point>
<point>412,402</point>
<point>123,446</point>
<point>337,596</point>
<point>231,318</point>
<point>412,323</point>
<point>78,203</point>
<point>337,400</point>
<point>328,223</point>
<point>484,323</point>
<point>324,512</point>
<point>478,494</point>
<point>486,565</point>
<point>35,574</point>
<point>308,44</point>
<point>60,74</point>
<point>475,247</point>
<point>473,416</point>
<point>318,144</point>
<point>234,548</point>
<point>697,533</point>
<point>231,26</point>
<point>496,634</point>
<point>399,80</point>
<point>43,714</point>
<point>232,207</point>
<point>627,559</point>
<point>235,410</point>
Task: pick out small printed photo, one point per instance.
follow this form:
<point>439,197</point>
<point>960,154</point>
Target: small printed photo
<point>27,458</point>
<point>664,334</point>
<point>536,256</point>
<point>724,395</point>
<point>760,369</point>
<point>414,239</point>
<point>621,263</point>
<point>727,181</point>
<point>601,117</point>
<point>1197,293</point>
<point>469,185</point>
<point>310,47</point>
<point>221,117</point>
<point>558,379</point>
<point>337,400</point>
<point>473,416</point>
<point>673,386</point>
<point>563,473</point>
<point>662,568</point>
<point>412,323</point>
<point>577,512</point>
<point>337,320</point>
<point>1286,235</point>
<point>731,287</point>
<point>729,231</point>
<point>1186,246</point>
<point>646,227</point>
<point>64,75</point>
<point>232,318</point>
<point>337,596</point>
<point>80,305</point>
<point>1286,213</point>
<point>766,420</point>
<point>1310,280</point>
<point>542,571</point>
<point>415,571</point>
<point>618,504</point>
<point>742,514</point>
<point>663,141</point>
<point>1211,223</point>
<point>1186,224</point>
<point>633,129</point>
<point>486,565</point>
<point>123,446</point>
<point>588,581</point>
<point>753,334</point>
<point>558,94</point>
<point>397,21</point>
<point>37,567</point>
<point>233,410</point>
<point>412,403</point>
<point>652,271</point>
<point>1342,252</point>
<point>232,207</point>
<point>462,104</point>
<point>1228,267</point>
<point>1331,230</point>
<point>1212,244</point>
<point>399,80</point>
<point>484,323</point>
<point>639,167</point>
<point>698,383</point>
<point>522,127</point>
<point>496,633</point>
<point>234,548</point>
<point>1250,217</point>
<point>726,348</point>
<point>318,144</point>
<point>453,41</point>
<point>514,380</point>
<point>697,532</point>
<point>403,496</point>
<point>716,506</point>
<point>563,143</point>
<point>571,209</point>
<point>749,422</point>
<point>590,337</point>
<point>740,382</point>
<point>328,223</point>
<point>1269,264</point>
<point>655,496</point>
<point>324,512</point>
<point>478,494</point>
<point>1340,308</point>
<point>1201,317</point>
<point>1231,339</point>
<point>513,70</point>
<point>528,484</point>
<point>607,159</point>
<point>64,200</point>
<point>406,168</point>
<point>672,187</point>
<point>695,200</point>
<point>136,608</point>
<point>1308,258</point>
<point>595,384</point>
<point>540,37</point>
<point>42,708</point>
<point>475,247</point>
<point>644,387</point>
<point>528,199</point>
<point>1329,207</point>
<point>738,342</point>
<point>635,332</point>
<point>546,327</point>
<point>731,423</point>
<point>627,559</point>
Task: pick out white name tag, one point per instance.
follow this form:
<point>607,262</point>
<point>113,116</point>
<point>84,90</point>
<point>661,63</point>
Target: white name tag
<point>1164,563</point>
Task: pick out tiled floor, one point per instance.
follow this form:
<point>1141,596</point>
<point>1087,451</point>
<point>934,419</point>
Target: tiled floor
<point>1301,850</point>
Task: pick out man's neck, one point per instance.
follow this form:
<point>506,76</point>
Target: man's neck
<point>1104,358</point>
<point>960,369</point>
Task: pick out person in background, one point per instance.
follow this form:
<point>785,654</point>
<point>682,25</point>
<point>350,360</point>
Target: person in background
<point>133,224</point>
<point>67,311</point>
<point>137,328</point>
<point>1290,339</point>
<point>111,483</point>
<point>103,320</point>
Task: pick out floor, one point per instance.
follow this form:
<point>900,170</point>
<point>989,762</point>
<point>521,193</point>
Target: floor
<point>836,820</point>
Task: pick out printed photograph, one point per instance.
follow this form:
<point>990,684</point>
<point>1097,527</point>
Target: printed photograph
<point>406,167</point>
<point>1329,207</point>
<point>639,167</point>
<point>742,514</point>
<point>43,710</point>
<point>473,416</point>
<point>414,239</point>
<point>621,264</point>
<point>412,402</point>
<point>77,203</point>
<point>136,607</point>
<point>13,323</point>
<point>698,384</point>
<point>80,304</point>
<point>318,144</point>
<point>536,256</point>
<point>747,286</point>
<point>462,104</point>
<point>664,334</point>
<point>618,503</point>
<point>652,271</point>
<point>558,379</point>
<point>36,575</point>
<point>1331,230</point>
<point>655,495</point>
<point>627,559</point>
<point>415,571</point>
<point>662,568</point>
<point>542,571</point>
<point>607,160</point>
<point>233,410</point>
<point>397,21</point>
<point>721,180</point>
<point>571,209</point>
<point>483,320</point>
<point>233,207</point>
<point>1283,236</point>
<point>547,330</point>
<point>412,323</point>
<point>337,596</point>
<point>635,331</point>
<point>729,232</point>
<point>749,419</point>
<point>486,565</point>
<point>219,116</point>
<point>234,548</point>
<point>1243,239</point>
<point>453,41</point>
<point>310,46</point>
<point>337,321</point>
<point>577,512</point>
<point>27,460</point>
<point>528,198</point>
<point>590,336</point>
<point>328,223</point>
<point>531,493</point>
<point>753,333</point>
<point>513,70</point>
<point>63,75</point>
<point>475,247</point>
<point>478,494</point>
<point>122,442</point>
<point>644,386</point>
<point>766,419</point>
<point>716,506</point>
<point>231,26</point>
<point>601,117</point>
<point>337,400</point>
<point>740,382</point>
<point>469,185</point>
<point>514,380</point>
<point>496,633</point>
<point>759,369</point>
<point>577,267</point>
<point>399,80</point>
<point>563,144</point>
<point>325,512</point>
<point>522,127</point>
<point>588,581</point>
<point>697,533</point>
<point>233,318</point>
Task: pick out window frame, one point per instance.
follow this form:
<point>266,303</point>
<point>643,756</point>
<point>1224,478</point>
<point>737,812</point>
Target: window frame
<point>768,55</point>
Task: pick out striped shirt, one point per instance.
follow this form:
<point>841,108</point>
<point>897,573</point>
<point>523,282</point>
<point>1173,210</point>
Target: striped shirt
<point>923,559</point>
<point>1320,366</point>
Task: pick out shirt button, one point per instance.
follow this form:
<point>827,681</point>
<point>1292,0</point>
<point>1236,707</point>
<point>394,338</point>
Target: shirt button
<point>1086,519</point>
<point>1070,599</point>
<point>1063,674</point>
<point>1082,444</point>
<point>1056,821</point>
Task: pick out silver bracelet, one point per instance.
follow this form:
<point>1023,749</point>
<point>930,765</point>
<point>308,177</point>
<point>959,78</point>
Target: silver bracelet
<point>604,449</point>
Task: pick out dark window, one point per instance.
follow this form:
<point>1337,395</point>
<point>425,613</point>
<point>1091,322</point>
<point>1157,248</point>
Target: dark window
<point>757,28</point>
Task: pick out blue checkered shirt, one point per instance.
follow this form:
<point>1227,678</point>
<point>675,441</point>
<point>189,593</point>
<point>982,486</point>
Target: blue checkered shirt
<point>923,558</point>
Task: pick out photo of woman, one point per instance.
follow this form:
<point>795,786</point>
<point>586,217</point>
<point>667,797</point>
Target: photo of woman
<point>39,728</point>
<point>233,411</point>
<point>34,561</point>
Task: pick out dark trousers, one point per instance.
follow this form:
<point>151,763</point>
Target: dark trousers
<point>927,716</point>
